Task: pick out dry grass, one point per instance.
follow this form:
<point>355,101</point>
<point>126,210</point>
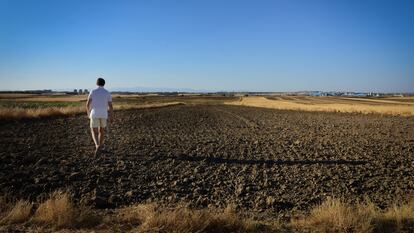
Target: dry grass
<point>59,211</point>
<point>56,97</point>
<point>25,113</point>
<point>384,101</point>
<point>333,215</point>
<point>398,218</point>
<point>136,214</point>
<point>15,95</point>
<point>64,98</point>
<point>185,220</point>
<point>348,105</point>
<point>17,106</point>
<point>181,219</point>
<point>19,213</point>
<point>336,215</point>
<point>29,113</point>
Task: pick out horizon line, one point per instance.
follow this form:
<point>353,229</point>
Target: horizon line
<point>196,91</point>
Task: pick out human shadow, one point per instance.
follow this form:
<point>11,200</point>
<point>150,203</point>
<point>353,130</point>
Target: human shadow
<point>260,161</point>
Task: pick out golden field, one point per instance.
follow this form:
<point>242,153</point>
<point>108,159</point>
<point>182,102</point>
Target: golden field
<point>14,106</point>
<point>23,106</point>
<point>24,113</point>
<point>403,106</point>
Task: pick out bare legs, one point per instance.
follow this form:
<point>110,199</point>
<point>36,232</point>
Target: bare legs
<point>98,135</point>
<point>101,136</point>
<point>94,132</point>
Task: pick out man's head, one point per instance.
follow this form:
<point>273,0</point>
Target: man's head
<point>100,82</point>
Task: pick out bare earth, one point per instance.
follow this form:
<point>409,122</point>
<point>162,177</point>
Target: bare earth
<point>263,160</point>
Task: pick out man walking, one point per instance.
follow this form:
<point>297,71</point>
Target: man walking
<point>97,105</point>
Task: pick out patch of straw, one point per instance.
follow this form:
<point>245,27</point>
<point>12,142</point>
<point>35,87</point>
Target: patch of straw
<point>19,213</point>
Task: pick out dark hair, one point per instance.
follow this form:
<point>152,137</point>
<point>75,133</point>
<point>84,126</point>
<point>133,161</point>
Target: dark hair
<point>100,82</point>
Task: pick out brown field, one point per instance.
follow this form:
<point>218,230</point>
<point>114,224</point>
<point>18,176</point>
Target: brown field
<point>26,106</point>
<point>390,106</point>
<point>11,104</point>
<point>42,98</point>
<point>27,113</point>
<point>199,164</point>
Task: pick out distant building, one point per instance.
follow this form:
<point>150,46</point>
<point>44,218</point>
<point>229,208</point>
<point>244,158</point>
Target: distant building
<point>315,93</point>
<point>361,94</point>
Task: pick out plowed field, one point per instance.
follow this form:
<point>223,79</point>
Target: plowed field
<point>259,159</point>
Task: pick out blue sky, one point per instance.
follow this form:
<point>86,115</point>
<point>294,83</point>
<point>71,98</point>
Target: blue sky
<point>256,45</point>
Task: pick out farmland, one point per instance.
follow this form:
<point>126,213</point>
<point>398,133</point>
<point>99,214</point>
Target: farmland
<point>402,106</point>
<point>272,164</point>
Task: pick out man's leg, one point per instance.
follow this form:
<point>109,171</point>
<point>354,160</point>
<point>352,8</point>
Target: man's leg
<point>102,126</point>
<point>101,136</point>
<point>94,132</point>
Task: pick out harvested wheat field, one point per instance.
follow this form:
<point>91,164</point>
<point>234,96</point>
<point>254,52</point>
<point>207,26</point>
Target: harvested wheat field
<point>398,106</point>
<point>270,165</point>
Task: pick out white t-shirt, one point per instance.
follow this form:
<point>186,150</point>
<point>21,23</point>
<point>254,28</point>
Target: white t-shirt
<point>99,98</point>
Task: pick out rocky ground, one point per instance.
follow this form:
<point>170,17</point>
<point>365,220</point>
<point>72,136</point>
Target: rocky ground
<point>261,160</point>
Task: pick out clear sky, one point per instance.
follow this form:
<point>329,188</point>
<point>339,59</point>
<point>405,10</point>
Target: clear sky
<point>256,45</point>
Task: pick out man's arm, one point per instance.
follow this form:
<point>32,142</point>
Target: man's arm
<point>88,106</point>
<point>111,111</point>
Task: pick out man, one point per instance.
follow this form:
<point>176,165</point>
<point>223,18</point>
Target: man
<point>97,105</point>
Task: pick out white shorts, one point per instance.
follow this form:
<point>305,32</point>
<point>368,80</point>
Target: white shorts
<point>98,122</point>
